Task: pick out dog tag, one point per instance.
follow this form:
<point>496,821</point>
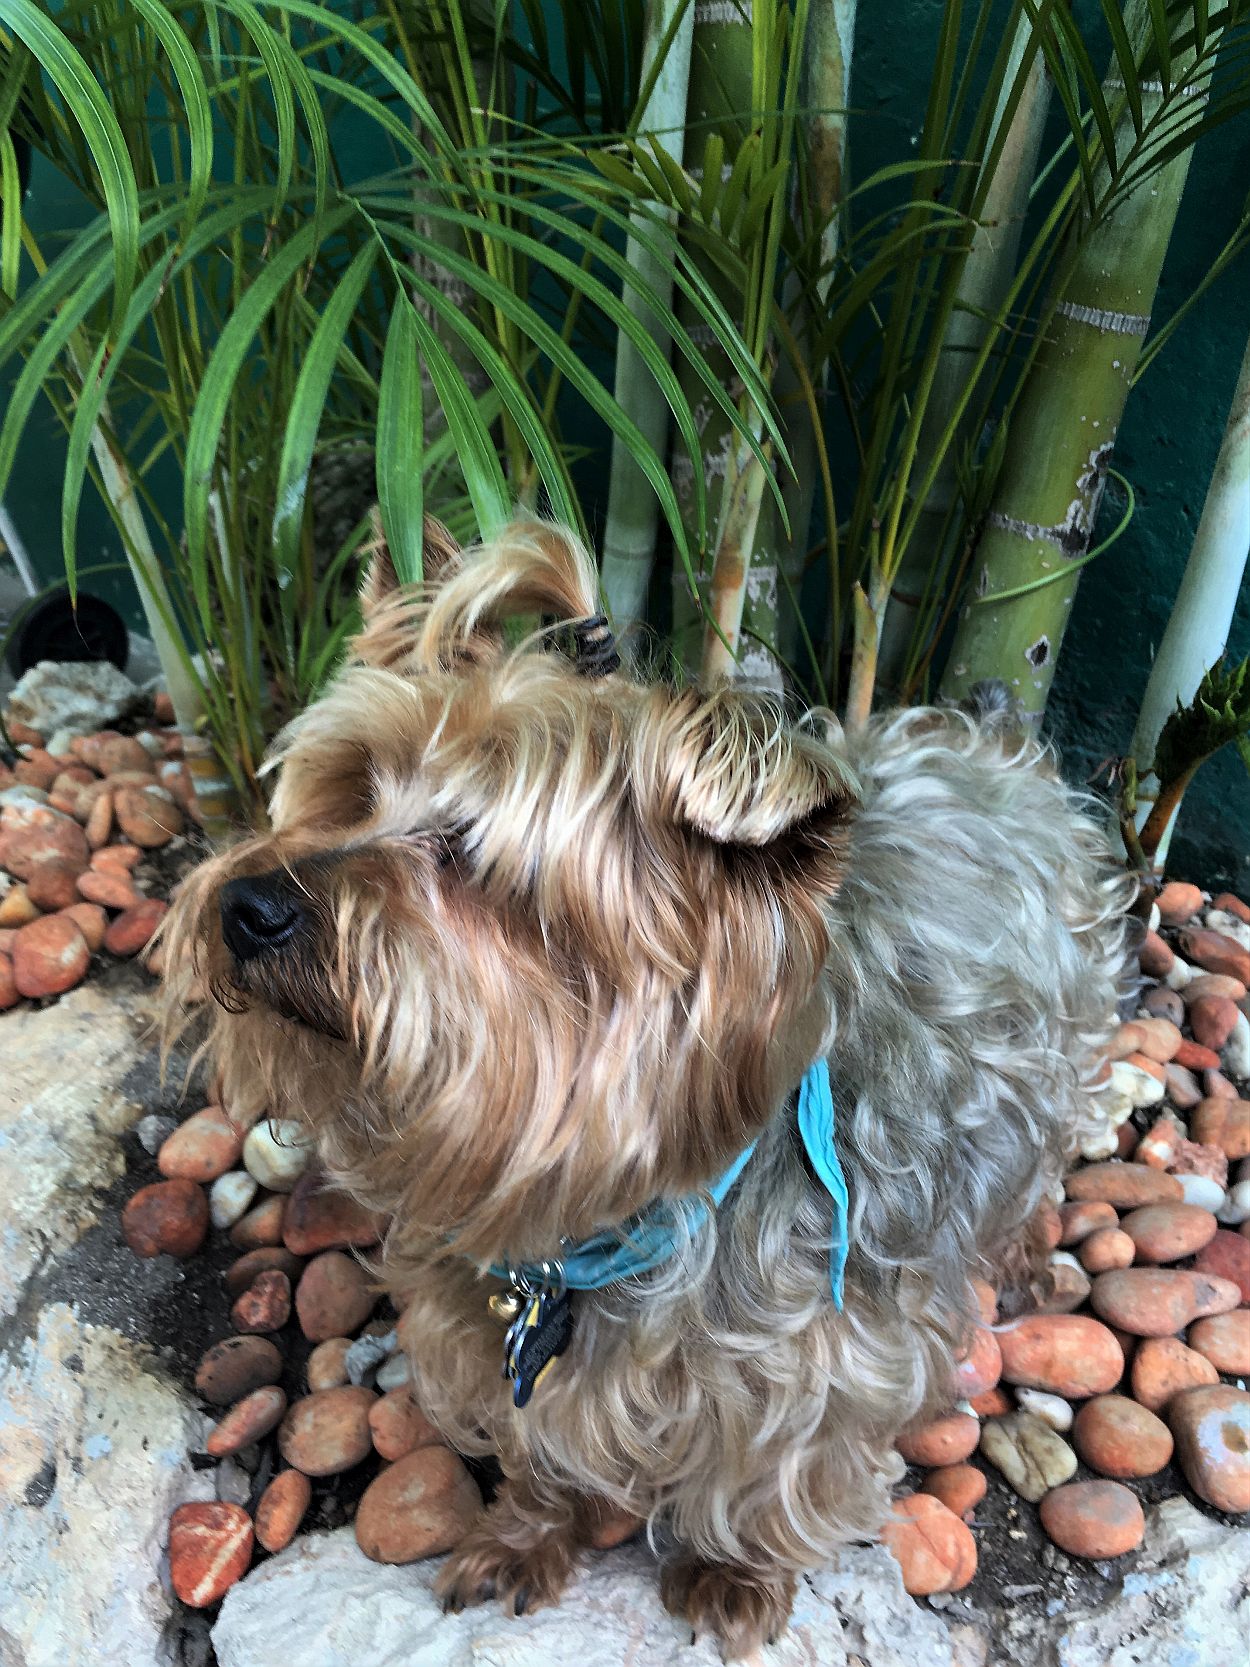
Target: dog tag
<point>534,1341</point>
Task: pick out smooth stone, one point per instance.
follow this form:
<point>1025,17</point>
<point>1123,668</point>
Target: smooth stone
<point>1168,1232</point>
<point>960,1487</point>
<point>1078,1221</point>
<point>1224,1340</point>
<point>202,1148</point>
<point>247,1421</point>
<point>111,891</point>
<point>1118,1437</point>
<point>1068,1285</point>
<point>53,886</point>
<point>1178,902</point>
<point>1156,957</point>
<point>1214,952</point>
<point>1159,1039</point>
<point>1068,1354</point>
<point>1212,1019</point>
<point>1094,1519</point>
<point>229,1197</point>
<point>277,1152</point>
<point>327,1432</point>
<point>241,1273</point>
<point>261,1227</point>
<point>1158,1146</point>
<point>1183,1087</point>
<point>421,1505</point>
<point>1226,1256</point>
<point>394,1373</point>
<point>934,1549</point>
<point>1148,1302</point>
<point>1223,1123</point>
<point>1193,1158</point>
<point>90,920</point>
<point>1212,1430</point>
<point>327,1364</point>
<point>1162,1003</point>
<point>1126,1185</point>
<point>282,1508</point>
<point>265,1305</point>
<point>236,1366</point>
<point>335,1296</point>
<point>147,816</point>
<point>1032,1456</point>
<point>946,1440</point>
<point>1106,1249</point>
<point>982,1365</point>
<point>1163,1367</point>
<point>135,927</point>
<point>166,1218</point>
<point>210,1547</point>
<point>1051,1409</point>
<point>1236,1207</point>
<point>50,956</point>
<point>153,1131</point>
<point>320,1217</point>
<point>398,1425</point>
<point>1202,1191</point>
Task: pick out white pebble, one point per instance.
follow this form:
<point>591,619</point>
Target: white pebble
<point>1202,1191</point>
<point>1181,974</point>
<point>1142,1089</point>
<point>1096,1147</point>
<point>395,1373</point>
<point>59,740</point>
<point>1236,1207</point>
<point>1067,1258</point>
<point>1217,920</point>
<point>276,1153</point>
<point>229,1197</point>
<point>153,1131</point>
<point>1156,919</point>
<point>1236,1056</point>
<point>1051,1409</point>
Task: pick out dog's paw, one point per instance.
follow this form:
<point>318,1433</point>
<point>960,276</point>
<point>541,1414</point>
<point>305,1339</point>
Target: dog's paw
<point>742,1607</point>
<point>482,1568</point>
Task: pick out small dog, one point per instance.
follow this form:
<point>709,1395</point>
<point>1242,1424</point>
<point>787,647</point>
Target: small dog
<point>539,955</point>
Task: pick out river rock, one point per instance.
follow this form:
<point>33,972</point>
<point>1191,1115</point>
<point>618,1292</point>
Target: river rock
<point>1227,1256</point>
<point>1201,1190</point>
<point>147,816</point>
<point>960,1487</point>
<point>1168,1232</point>
<point>1032,1456</point>
<point>202,1148</point>
<point>420,1506</point>
<point>1094,1519</point>
<point>1152,1302</point>
<point>50,956</point>
<point>247,1421</point>
<point>981,1367</point>
<point>945,1440</point>
<point>335,1296</point>
<point>1178,902</point>
<point>240,1274</point>
<point>1156,957</point>
<point>1109,1248</point>
<point>210,1546</point>
<point>1067,1354</point>
<point>1162,1367</point>
<point>261,1227</point>
<point>233,1368</point>
<point>277,1152</point>
<point>265,1305</point>
<point>320,1217</point>
<point>1212,1430</point>
<point>1051,1409</point>
<point>934,1549</point>
<point>1224,1340</point>
<point>167,1218</point>
<point>1158,1145</point>
<point>1223,1123</point>
<point>110,890</point>
<point>229,1196</point>
<point>1119,1438</point>
<point>1214,952</point>
<point>135,927</point>
<point>281,1509</point>
<point>90,920</point>
<point>399,1426</point>
<point>53,885</point>
<point>328,1432</point>
<point>1212,1019</point>
<point>327,1364</point>
<point>1079,1220</point>
<point>1126,1185</point>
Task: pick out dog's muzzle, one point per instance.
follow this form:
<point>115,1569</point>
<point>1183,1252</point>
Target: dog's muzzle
<point>260,914</point>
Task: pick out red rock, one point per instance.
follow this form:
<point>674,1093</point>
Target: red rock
<point>335,1296</point>
<point>981,1367</point>
<point>612,1528</point>
<point>1149,1302</point>
<point>1093,1519</point>
<point>1162,1003</point>
<point>147,816</point>
<point>327,1364</point>
<point>1067,1289</point>
<point>1108,1248</point>
<point>1192,1158</point>
<point>1126,1041</point>
<point>16,909</point>
<point>31,834</point>
<point>1212,1430</point>
<point>281,1509</point>
<point>261,1226</point>
<point>1212,984</point>
<point>422,1505</point>
<point>236,1366</point>
<point>116,859</point>
<point>1156,957</point>
<point>247,1421</point>
<point>1232,905</point>
<point>169,1217</point>
<point>265,1305</point>
<point>1224,1340</point>
<point>1162,1367</point>
<point>121,752</point>
<point>49,956</point>
<point>241,1273</point>
<point>99,824</point>
<point>1178,902</point>
<point>986,1300</point>
<point>1126,1185</point>
<point>204,1147</point>
<point>1142,1062</point>
<point>1049,1224</point>
<point>36,772</point>
<point>1216,1086</point>
<point>398,1425</point>
<point>1213,1295</point>
<point>960,1487</point>
<point>90,920</point>
<point>933,1548</point>
<point>22,735</point>
<point>1079,1220</point>
<point>210,1546</point>
<point>1227,1256</point>
<point>1196,1058</point>
<point>1223,1123</point>
<point>1160,1039</point>
<point>1215,952</point>
<point>319,1217</point>
<point>9,996</point>
<point>1120,1438</point>
<point>328,1432</point>
<point>53,885</point>
<point>946,1440</point>
<point>113,891</point>
<point>133,928</point>
<point>163,708</point>
<point>1068,1354</point>
<point>994,1403</point>
<point>1182,1088</point>
<point>1158,1146</point>
<point>1167,1232</point>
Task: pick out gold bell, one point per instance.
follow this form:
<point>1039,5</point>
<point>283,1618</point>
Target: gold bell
<point>505,1305</point>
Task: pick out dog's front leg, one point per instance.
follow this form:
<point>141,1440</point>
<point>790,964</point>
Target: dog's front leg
<point>744,1606</point>
<point>522,1551</point>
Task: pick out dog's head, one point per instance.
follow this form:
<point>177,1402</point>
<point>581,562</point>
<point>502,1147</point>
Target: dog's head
<point>526,947</point>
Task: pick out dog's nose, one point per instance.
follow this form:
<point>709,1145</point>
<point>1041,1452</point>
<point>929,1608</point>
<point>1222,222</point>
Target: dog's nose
<point>259,913</point>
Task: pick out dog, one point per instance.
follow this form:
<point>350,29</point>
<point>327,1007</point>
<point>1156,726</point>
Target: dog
<point>540,951</point>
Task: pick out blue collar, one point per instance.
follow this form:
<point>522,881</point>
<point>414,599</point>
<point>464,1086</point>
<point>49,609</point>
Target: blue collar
<point>652,1236</point>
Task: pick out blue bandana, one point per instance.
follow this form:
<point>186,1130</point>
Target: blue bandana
<point>652,1237</point>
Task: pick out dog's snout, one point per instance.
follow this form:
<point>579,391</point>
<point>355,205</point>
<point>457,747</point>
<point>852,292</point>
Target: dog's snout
<point>259,913</point>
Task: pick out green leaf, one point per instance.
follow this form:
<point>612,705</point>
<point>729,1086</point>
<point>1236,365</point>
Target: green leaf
<point>479,460</point>
<point>398,451</point>
<point>709,188</point>
<point>196,112</point>
<point>11,219</point>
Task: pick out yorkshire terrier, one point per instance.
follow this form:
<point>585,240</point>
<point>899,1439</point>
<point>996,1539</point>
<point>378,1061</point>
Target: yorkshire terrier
<point>541,951</point>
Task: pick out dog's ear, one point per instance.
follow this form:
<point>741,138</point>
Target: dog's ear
<point>440,555</point>
<point>732,768</point>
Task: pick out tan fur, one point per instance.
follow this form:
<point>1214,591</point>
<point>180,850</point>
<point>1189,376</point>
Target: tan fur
<point>569,946</point>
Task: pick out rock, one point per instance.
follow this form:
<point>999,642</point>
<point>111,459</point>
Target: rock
<point>9,994</point>
<point>960,1487</point>
<point>1203,1192</point>
<point>1162,1003</point>
<point>1159,1144</point>
<point>241,1273</point>
<point>1195,1057</point>
<point>981,1367</point>
<point>1031,1456</point>
<point>613,1528</point>
<point>134,927</point>
<point>1162,1367</point>
<point>53,885</point>
<point>210,1547</point>
<point>1178,902</point>
<point>393,1373</point>
<point>995,1403</point>
<point>277,1152</point>
<point>91,921</point>
<point>1094,1519</point>
<point>1223,1123</point>
<point>1213,1295</point>
<point>421,1506</point>
<point>1230,904</point>
<point>1069,1285</point>
<point>319,1217</point>
<point>335,1297</point>
<point>1212,1018</point>
<point>147,816</point>
<point>78,696</point>
<point>113,891</point>
<point>934,1549</point>
<point>117,859</point>
<point>945,1440</point>
<point>99,824</point>
<point>261,1226</point>
<point>1192,1158</point>
<point>168,1218</point>
<point>1120,1438</point>
<point>1237,1048</point>
<point>1157,958</point>
<point>202,1148</point>
<point>1213,952</point>
<point>1109,1248</point>
<point>1212,1430</point>
<point>327,1364</point>
<point>1051,1409</point>
<point>1078,1221</point>
<point>236,1366</point>
<point>1159,1039</point>
<point>281,1509</point>
<point>1167,1232</point>
<point>1227,1256</point>
<point>50,956</point>
<point>16,908</point>
<point>1148,1302</point>
<point>1068,1354</point>
<point>327,1432</point>
<point>398,1425</point>
<point>1224,1340</point>
<point>265,1305</point>
<point>229,1196</point>
<point>1182,1087</point>
<point>247,1421</point>
<point>117,753</point>
<point>1126,1185</point>
<point>1236,1206</point>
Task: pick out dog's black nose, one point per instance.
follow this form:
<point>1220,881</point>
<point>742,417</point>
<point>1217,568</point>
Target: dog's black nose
<point>259,913</point>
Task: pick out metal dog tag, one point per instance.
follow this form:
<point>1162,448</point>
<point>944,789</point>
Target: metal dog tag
<point>540,1334</point>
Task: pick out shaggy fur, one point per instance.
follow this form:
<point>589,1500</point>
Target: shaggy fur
<point>568,946</point>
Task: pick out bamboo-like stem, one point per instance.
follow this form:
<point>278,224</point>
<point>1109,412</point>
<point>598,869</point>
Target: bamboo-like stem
<point>983,286</point>
<point>735,543</point>
<point>633,508</point>
<point>1064,426</point>
<point>1197,630</point>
